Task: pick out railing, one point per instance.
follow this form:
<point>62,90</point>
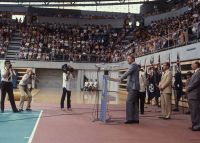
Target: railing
<point>84,58</point>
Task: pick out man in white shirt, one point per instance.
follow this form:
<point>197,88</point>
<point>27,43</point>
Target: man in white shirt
<point>95,85</point>
<point>6,86</point>
<point>24,91</point>
<point>86,85</point>
<point>142,91</point>
<point>67,86</point>
<point>90,84</point>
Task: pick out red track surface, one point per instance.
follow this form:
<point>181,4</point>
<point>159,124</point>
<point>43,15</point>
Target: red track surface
<point>58,126</point>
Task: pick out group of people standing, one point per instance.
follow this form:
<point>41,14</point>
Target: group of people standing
<point>137,82</point>
<point>7,73</point>
<point>136,87</point>
<point>89,85</point>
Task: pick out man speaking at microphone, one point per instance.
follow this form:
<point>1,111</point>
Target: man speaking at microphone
<point>133,86</point>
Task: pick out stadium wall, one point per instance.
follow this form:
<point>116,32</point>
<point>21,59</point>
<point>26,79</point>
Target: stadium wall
<point>186,53</point>
<point>17,9</point>
<point>52,78</point>
<point>117,23</point>
<point>149,19</point>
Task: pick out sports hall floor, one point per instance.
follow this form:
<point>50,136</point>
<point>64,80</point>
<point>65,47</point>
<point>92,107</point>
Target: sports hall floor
<point>48,124</point>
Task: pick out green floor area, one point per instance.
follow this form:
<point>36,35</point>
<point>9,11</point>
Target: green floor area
<point>17,127</point>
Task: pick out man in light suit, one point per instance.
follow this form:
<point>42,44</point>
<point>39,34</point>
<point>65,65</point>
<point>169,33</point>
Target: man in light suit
<point>133,86</point>
<point>193,90</point>
<point>165,87</point>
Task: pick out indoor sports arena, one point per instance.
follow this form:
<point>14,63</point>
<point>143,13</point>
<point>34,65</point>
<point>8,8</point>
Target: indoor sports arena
<point>100,71</point>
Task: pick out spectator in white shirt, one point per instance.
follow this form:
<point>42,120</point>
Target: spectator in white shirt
<point>86,85</point>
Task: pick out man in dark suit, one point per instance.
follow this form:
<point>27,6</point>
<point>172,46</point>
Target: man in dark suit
<point>193,90</point>
<point>178,87</point>
<point>133,86</point>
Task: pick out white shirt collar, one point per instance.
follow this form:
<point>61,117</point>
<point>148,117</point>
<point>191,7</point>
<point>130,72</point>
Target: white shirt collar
<point>196,70</point>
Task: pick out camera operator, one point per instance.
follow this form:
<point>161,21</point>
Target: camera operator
<point>6,86</point>
<point>24,89</point>
<point>67,85</point>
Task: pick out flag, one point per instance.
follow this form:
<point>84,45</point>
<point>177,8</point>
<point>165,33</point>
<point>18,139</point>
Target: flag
<point>178,62</point>
<point>159,64</point>
<point>169,60</point>
<point>152,84</point>
<point>157,77</point>
<point>178,78</point>
<point>145,67</point>
<point>152,60</point>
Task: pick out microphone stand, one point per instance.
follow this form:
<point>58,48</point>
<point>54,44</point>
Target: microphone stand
<point>96,105</point>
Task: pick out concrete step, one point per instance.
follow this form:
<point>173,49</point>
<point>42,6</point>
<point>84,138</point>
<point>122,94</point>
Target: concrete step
<point>12,56</point>
<point>17,38</point>
<point>12,51</point>
<point>125,41</point>
<point>15,42</point>
<point>129,36</point>
<point>11,59</point>
<point>14,46</point>
<point>16,34</point>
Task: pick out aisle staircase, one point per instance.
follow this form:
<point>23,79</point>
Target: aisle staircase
<point>14,46</point>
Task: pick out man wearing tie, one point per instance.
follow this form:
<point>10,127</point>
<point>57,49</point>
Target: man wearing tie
<point>165,87</point>
<point>6,86</point>
<point>193,90</point>
<point>133,86</point>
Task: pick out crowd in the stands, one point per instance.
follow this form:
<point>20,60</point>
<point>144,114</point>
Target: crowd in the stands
<point>100,43</point>
<point>170,32</point>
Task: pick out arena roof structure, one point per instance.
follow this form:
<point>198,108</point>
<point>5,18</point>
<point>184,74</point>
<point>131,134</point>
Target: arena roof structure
<point>122,6</point>
<point>56,3</point>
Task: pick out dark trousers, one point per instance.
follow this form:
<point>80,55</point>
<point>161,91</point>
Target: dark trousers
<point>7,87</point>
<point>195,113</point>
<point>132,112</point>
<point>65,91</point>
<point>141,101</point>
<point>178,94</point>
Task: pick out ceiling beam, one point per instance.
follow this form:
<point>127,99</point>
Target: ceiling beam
<point>79,4</point>
<point>53,0</point>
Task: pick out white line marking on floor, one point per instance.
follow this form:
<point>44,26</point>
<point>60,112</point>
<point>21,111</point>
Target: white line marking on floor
<point>33,132</point>
<point>26,137</point>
